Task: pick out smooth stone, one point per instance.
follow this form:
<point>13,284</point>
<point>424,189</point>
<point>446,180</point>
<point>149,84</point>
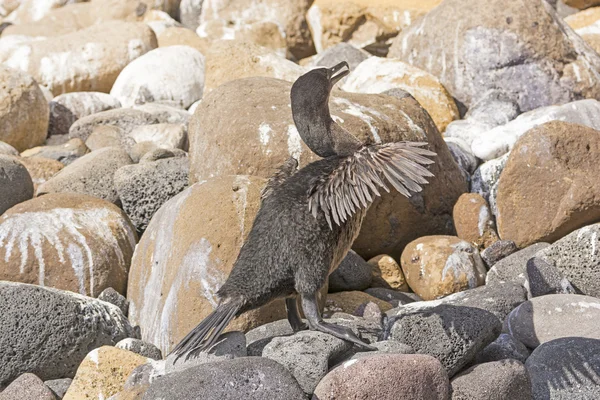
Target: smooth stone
<point>7,150</point>
<point>168,136</point>
<point>41,169</point>
<point>354,273</point>
<point>544,278</point>
<point>394,297</point>
<point>496,380</point>
<point>474,221</point>
<point>15,183</point>
<point>513,268</point>
<point>486,178</point>
<point>25,387</point>
<point>504,347</point>
<point>387,273</point>
<point>65,153</point>
<point>67,108</point>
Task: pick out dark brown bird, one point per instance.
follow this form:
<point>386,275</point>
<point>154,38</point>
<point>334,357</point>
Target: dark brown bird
<point>309,218</point>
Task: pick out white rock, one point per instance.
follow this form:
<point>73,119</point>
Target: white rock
<point>500,140</point>
<point>32,10</point>
<point>66,108</point>
<point>189,13</point>
<point>486,178</point>
<point>173,73</point>
<point>165,136</point>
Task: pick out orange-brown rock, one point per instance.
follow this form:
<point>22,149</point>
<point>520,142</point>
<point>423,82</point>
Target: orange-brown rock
<point>473,220</point>
<point>363,23</point>
<point>256,111</point>
<point>351,302</point>
<point>550,184</point>
<point>103,373</point>
<point>86,60</point>
<point>67,241</point>
<point>185,256</point>
<point>436,266</point>
<point>581,4</point>
<point>41,169</point>
<point>387,273</point>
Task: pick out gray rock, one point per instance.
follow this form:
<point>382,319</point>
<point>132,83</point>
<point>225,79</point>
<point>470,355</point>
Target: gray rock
<point>307,355</point>
<point>338,53</point>
<point>248,378</point>
<point>161,154</point>
<point>354,273</point>
<point>394,297</point>
<point>164,113</point>
<point>124,118</point>
<point>497,251</point>
<point>16,185</point>
<point>452,334</point>
<point>544,278</point>
<point>465,130</point>
<point>493,109</point>
<point>49,332</point>
<point>577,256</point>
<point>189,13</point>
<point>503,348</point>
<point>140,347</point>
<point>66,152</point>
<point>91,174</point>
<point>369,327</point>
<point>462,154</point>
<point>514,267</point>
<point>108,136</point>
<point>113,297</point>
<point>565,369</point>
<point>7,150</point>
<point>143,188</point>
<point>67,108</point>
<point>59,386</point>
<point>383,347</point>
<point>554,316</point>
<point>498,299</point>
<point>486,178</point>
<point>259,337</point>
<point>231,345</point>
<point>25,387</point>
<point>497,380</point>
<point>166,136</point>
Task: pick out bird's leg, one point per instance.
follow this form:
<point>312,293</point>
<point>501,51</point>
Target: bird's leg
<point>315,322</point>
<point>293,316</point>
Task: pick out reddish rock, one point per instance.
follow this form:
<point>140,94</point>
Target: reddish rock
<point>473,220</point>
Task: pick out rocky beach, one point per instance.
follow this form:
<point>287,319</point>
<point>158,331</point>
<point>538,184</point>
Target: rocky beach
<point>137,136</point>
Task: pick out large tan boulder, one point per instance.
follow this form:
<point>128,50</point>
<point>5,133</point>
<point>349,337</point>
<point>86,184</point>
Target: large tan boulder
<point>549,186</point>
<point>77,15</point>
<point>186,254</point>
<point>436,266</point>
<point>369,24</point>
<point>376,75</point>
<point>67,241</point>
<point>86,60</point>
<point>475,46</point>
<point>256,112</point>
<point>262,18</point>
<point>227,60</point>
<point>103,373</point>
<point>23,110</point>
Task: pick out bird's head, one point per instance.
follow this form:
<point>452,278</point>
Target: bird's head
<point>310,106</point>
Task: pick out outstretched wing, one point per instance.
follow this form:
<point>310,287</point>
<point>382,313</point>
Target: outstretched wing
<point>289,168</point>
<point>355,182</point>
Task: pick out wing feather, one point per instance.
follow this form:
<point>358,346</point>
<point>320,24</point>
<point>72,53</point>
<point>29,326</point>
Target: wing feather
<point>358,178</point>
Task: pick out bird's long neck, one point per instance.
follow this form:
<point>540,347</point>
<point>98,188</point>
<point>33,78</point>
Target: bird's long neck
<point>323,135</point>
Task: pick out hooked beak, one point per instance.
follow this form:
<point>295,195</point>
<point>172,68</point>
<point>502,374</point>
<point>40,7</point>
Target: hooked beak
<point>336,73</point>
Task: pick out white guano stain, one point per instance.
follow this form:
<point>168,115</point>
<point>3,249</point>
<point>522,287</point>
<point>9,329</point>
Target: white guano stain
<point>484,219</point>
<point>361,112</point>
<point>68,232</point>
<point>294,142</point>
<point>240,200</point>
<point>264,135</point>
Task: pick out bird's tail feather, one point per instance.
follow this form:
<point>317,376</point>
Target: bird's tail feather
<point>205,335</point>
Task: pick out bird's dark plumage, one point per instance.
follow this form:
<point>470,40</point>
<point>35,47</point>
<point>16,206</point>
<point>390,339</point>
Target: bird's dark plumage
<point>310,217</point>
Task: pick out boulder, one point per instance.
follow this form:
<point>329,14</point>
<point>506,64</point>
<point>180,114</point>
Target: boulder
<point>256,111</point>
<point>560,194</point>
<point>307,355</point>
<point>474,221</point>
<point>436,266</point>
<point>91,174</point>
<point>369,24</point>
<point>377,75</point>
<point>260,20</point>
<point>65,153</point>
<point>102,373</point>
<point>229,60</point>
<point>185,233</point>
<point>577,257</point>
<point>103,51</point>
<point>338,53</point>
<point>387,273</point>
<point>504,347</point>
<point>513,268</point>
<point>173,74</point>
<point>462,153</point>
<point>166,136</point>
<point>251,378</point>
<point>452,334</point>
<point>468,37</point>
<point>554,316</point>
<point>7,150</point>
<point>41,169</point>
<point>354,273</point>
<point>27,386</point>
<point>67,108</point>
<point>67,241</point>
<point>397,376</point>
<point>16,185</point>
<point>23,110</point>
<point>108,136</point>
<point>53,350</point>
<point>497,380</point>
<point>543,278</point>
